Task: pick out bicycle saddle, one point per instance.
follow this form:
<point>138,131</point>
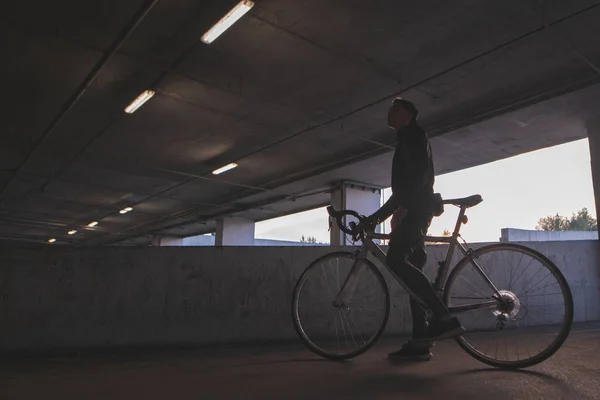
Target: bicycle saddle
<point>470,201</point>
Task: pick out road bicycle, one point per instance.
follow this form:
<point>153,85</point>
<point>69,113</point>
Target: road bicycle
<point>514,303</point>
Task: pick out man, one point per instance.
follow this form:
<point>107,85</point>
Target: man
<point>411,204</point>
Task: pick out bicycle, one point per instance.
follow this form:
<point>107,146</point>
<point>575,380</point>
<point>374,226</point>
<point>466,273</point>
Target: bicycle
<point>487,309</point>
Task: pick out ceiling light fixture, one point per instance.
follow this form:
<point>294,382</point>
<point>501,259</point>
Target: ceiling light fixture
<point>225,168</point>
<point>229,19</point>
<point>126,210</point>
<point>51,240</point>
<point>139,101</point>
<point>93,224</point>
<point>72,232</point>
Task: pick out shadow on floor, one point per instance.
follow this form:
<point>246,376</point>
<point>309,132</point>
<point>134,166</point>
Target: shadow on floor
<point>529,375</point>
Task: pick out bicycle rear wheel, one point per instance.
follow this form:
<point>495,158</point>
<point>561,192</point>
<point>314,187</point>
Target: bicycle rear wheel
<point>340,332</point>
<point>534,317</point>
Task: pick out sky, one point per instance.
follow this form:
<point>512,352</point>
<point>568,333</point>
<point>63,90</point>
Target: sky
<point>516,192</point>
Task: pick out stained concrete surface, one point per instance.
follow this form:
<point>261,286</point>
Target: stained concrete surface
<point>292,372</point>
<point>60,297</point>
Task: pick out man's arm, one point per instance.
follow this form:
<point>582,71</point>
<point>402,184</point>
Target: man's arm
<point>386,211</point>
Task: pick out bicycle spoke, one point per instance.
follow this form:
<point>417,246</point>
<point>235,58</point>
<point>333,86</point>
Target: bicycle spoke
<point>496,339</point>
<point>545,313</point>
<point>510,282</point>
<point>356,326</point>
<point>544,294</point>
<point>474,286</point>
<point>522,273</point>
<point>337,335</point>
<point>349,328</point>
<point>327,283</point>
<point>337,264</point>
<point>477,319</point>
<point>343,326</point>
<point>517,342</point>
<point>543,287</point>
<point>530,288</point>
<point>545,305</point>
<point>369,309</point>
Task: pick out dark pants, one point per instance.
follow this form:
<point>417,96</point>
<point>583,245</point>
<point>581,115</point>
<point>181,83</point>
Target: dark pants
<point>407,257</point>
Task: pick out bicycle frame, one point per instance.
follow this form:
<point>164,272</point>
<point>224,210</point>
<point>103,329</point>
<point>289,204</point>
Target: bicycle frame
<point>349,286</point>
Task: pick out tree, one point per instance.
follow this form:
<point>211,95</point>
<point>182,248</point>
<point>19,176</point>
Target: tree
<point>579,221</point>
<point>583,221</point>
<point>446,233</point>
<point>553,223</point>
<point>312,240</point>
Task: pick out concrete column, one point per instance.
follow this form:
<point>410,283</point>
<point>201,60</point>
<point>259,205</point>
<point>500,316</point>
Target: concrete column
<point>235,232</point>
<point>593,132</point>
<point>350,196</point>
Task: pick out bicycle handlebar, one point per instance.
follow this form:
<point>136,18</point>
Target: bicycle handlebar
<point>351,229</point>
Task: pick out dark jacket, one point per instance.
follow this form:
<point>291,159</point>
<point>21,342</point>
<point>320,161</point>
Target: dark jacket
<point>412,174</point>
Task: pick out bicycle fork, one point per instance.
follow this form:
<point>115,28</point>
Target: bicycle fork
<point>349,287</point>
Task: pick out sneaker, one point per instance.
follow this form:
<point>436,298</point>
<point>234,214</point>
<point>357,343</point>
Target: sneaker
<point>440,330</point>
<point>409,352</point>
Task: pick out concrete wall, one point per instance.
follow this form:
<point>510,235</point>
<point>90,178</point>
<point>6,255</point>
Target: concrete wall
<point>523,235</point>
<point>205,240</point>
<point>52,297</point>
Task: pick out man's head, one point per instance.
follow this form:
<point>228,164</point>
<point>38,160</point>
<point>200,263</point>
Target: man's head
<point>401,114</point>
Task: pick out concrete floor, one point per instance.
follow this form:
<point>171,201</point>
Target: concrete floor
<point>293,373</point>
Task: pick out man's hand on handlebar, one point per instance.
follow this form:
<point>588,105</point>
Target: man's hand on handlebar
<point>354,229</point>
<point>367,224</point>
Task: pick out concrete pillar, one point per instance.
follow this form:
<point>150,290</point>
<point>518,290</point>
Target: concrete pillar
<point>593,132</point>
<point>350,196</point>
<point>235,232</point>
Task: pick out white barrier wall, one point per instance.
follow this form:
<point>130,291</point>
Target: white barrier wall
<point>54,297</point>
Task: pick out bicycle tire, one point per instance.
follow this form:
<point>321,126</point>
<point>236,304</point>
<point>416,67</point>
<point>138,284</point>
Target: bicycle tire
<point>298,324</point>
<point>566,292</point>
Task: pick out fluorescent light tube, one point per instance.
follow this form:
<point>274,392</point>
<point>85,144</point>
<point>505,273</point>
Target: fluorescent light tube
<point>229,19</point>
<point>224,169</point>
<point>139,101</point>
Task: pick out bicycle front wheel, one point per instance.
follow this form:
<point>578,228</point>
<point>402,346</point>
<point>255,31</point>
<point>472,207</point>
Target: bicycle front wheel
<point>340,331</point>
<point>531,320</point>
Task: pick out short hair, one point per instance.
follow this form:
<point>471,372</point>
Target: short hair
<point>408,106</point>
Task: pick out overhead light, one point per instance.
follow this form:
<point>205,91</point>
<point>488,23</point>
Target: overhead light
<point>225,168</point>
<point>72,232</point>
<point>93,224</point>
<point>139,101</point>
<point>126,210</point>
<point>51,240</point>
<point>229,19</point>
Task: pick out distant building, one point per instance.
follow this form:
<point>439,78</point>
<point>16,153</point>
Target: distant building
<point>523,235</point>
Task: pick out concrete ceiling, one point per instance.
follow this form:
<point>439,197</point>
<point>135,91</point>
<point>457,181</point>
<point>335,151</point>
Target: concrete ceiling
<point>296,90</point>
